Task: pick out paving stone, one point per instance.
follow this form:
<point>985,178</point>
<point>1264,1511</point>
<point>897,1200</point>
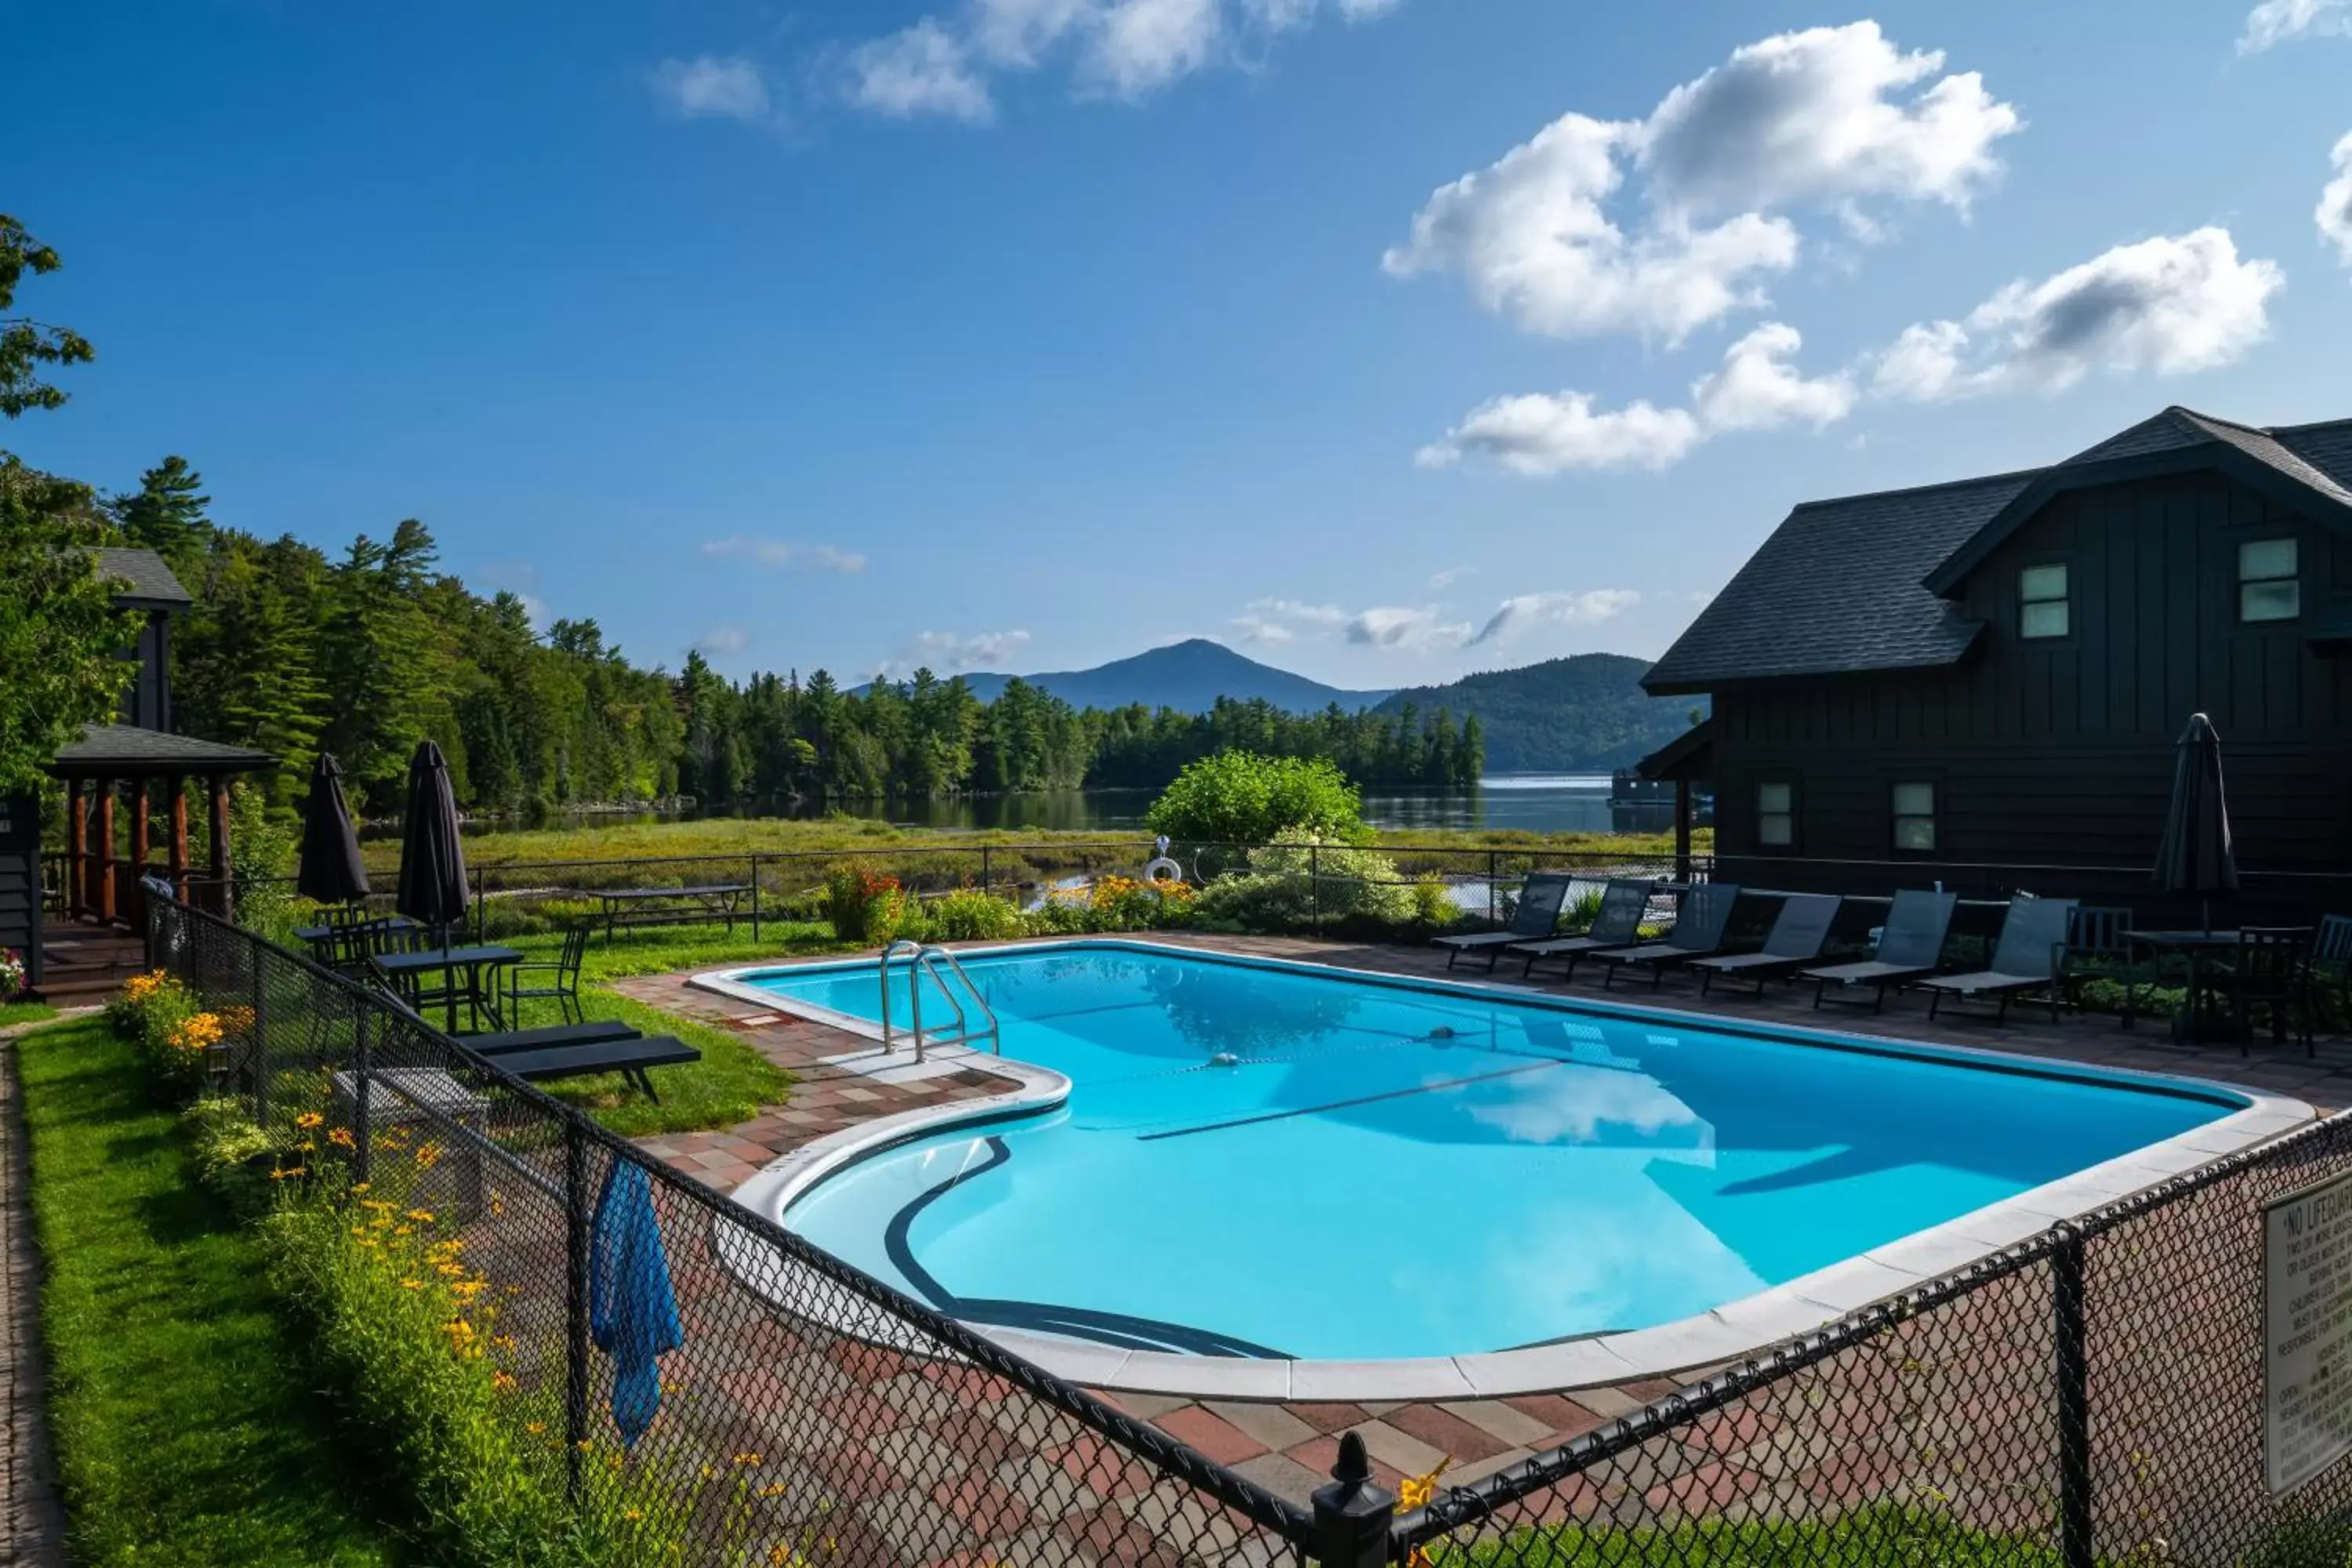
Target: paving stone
<point>1283,1475</point>
<point>1268,1424</point>
<point>1211,1434</point>
<point>1499,1420</point>
<point>1406,1452</point>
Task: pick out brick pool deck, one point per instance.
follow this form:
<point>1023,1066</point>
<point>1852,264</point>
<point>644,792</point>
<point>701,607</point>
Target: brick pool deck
<point>1289,1446</point>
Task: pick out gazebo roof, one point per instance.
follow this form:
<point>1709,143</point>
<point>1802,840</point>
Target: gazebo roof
<point>123,750</point>
<point>143,580</point>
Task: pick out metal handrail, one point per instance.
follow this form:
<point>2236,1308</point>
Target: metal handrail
<point>925,959</point>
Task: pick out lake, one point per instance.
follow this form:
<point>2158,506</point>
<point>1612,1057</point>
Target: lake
<point>1537,803</point>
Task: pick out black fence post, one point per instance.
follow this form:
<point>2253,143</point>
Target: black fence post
<point>576,1391</point>
<point>1494,877</point>
<point>481,909</point>
<point>260,1044</point>
<point>755,898</point>
<point>1314,882</point>
<point>1353,1515</point>
<point>986,881</point>
<point>2073,1369</point>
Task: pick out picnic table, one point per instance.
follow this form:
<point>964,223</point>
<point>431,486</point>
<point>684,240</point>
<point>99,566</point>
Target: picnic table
<point>407,971</point>
<point>338,941</point>
<point>703,905</point>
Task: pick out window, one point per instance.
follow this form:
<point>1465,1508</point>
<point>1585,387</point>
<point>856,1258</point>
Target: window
<point>1914,817</point>
<point>2267,587</point>
<point>1775,816</point>
<point>2042,607</point>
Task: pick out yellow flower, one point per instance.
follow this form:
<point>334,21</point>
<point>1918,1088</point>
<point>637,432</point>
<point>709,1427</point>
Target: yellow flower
<point>534,1428</point>
<point>412,1284</point>
<point>747,1459</point>
<point>428,1155</point>
<point>422,1217</point>
<point>309,1119</point>
<point>1416,1492</point>
<point>635,1514</point>
<point>774,1489</point>
<point>341,1138</point>
<point>503,1381</point>
<point>361,1186</point>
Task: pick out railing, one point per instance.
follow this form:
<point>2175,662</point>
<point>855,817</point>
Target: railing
<point>2095,1393</point>
<point>927,958</point>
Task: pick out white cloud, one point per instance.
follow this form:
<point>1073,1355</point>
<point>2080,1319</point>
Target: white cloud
<point>1757,388</point>
<point>1805,117</point>
<point>943,65</point>
<point>1414,628</point>
<point>784,556</point>
<point>1450,575</point>
<point>1282,620</point>
<point>723,640</point>
<point>2276,21</point>
<point>1521,610</point>
<point>976,650</point>
<point>2334,214</point>
<point>2166,306</point>
<point>1820,117</point>
<point>922,70</point>
<point>711,86</point>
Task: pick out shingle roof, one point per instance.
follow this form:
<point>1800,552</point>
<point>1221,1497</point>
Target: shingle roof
<point>127,749</point>
<point>1837,588</point>
<point>146,579</point>
<point>1845,585</point>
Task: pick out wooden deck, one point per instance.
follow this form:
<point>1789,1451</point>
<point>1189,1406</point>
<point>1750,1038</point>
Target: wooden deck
<point>85,963</point>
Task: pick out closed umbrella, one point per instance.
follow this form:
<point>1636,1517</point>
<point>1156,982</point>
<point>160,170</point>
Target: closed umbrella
<point>2194,861</point>
<point>331,872</point>
<point>432,857</point>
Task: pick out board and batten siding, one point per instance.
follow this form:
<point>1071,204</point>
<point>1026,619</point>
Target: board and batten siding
<point>20,880</point>
<point>2061,751</point>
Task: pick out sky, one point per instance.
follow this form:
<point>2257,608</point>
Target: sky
<point>1382,340</point>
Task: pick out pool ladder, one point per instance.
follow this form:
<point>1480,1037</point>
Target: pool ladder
<point>923,959</point>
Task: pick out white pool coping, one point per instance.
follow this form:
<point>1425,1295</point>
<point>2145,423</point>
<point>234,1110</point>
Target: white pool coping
<point>1729,1332</point>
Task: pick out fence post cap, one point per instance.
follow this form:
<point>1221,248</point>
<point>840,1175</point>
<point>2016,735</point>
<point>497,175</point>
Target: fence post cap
<point>1353,1514</point>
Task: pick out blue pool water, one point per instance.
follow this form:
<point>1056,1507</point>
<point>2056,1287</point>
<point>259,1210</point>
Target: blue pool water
<point>1394,1170</point>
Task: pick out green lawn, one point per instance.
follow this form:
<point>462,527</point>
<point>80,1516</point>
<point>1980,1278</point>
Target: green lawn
<point>186,1432</point>
<point>1883,1537</point>
<point>25,1012</point>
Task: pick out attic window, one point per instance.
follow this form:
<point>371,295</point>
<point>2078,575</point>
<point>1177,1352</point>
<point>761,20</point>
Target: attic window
<point>2042,608</point>
<point>2268,587</point>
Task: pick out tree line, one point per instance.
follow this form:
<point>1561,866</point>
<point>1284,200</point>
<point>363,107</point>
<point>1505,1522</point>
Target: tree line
<point>289,650</point>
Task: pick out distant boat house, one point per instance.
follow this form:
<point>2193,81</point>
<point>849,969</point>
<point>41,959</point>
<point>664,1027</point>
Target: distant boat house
<point>1980,682</point>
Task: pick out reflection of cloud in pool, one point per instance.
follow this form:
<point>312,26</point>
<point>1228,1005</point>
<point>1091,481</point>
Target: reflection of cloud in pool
<point>1572,1105</point>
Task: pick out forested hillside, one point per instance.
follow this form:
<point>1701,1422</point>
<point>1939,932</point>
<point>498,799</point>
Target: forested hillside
<point>363,653</point>
<point>1583,713</point>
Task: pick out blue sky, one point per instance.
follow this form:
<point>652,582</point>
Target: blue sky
<point>1382,339</point>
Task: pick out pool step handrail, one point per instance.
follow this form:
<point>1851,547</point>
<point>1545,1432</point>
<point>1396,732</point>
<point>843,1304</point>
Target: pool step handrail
<point>926,960</point>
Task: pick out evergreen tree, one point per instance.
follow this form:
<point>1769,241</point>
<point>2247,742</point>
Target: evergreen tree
<point>167,513</point>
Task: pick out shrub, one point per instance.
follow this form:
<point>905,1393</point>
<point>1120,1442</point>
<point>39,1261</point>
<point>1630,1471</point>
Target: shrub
<point>1239,797</point>
<point>970,915</point>
<point>1123,903</point>
<point>1057,916</point>
<point>175,1038</point>
<point>1432,901</point>
<point>261,850</point>
<point>12,975</point>
<point>1301,879</point>
<point>863,903</point>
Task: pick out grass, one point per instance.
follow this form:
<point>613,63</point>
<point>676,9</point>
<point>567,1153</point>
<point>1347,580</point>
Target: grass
<point>185,1432</point>
<point>1884,1537</point>
<point>12,1013</point>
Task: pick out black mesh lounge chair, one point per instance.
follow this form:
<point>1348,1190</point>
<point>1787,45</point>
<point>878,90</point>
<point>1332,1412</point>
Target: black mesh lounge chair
<point>1538,911</point>
<point>2032,943</point>
<point>1618,923</point>
<point>1699,925</point>
<point>596,1034</point>
<point>1799,933</point>
<point>1910,944</point>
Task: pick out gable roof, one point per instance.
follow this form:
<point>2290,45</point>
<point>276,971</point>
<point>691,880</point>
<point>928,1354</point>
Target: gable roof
<point>1860,582</point>
<point>147,584</point>
<point>1836,589</point>
<point>126,751</point>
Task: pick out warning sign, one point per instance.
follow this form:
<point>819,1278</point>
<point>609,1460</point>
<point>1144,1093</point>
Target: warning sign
<point>2307,1332</point>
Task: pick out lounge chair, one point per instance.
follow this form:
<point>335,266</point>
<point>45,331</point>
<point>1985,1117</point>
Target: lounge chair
<point>1910,944</point>
<point>1699,925</point>
<point>1537,911</point>
<point>1617,923</point>
<point>513,1040</point>
<point>2032,942</point>
<point>1798,933</point>
<point>630,1058</point>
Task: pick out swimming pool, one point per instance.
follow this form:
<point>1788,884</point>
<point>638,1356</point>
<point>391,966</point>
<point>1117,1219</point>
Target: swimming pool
<point>1393,1169</point>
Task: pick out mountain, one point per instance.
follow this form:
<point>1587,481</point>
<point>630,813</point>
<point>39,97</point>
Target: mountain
<point>1582,714</point>
<point>1188,676</point>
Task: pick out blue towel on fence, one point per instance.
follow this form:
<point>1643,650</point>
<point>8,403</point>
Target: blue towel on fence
<point>631,1309</point>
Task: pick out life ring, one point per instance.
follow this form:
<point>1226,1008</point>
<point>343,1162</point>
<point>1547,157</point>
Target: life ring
<point>1167,863</point>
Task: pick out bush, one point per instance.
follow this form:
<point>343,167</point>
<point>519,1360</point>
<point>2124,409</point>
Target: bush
<point>863,903</point>
<point>12,975</point>
<point>177,1039</point>
<point>970,915</point>
<point>1239,797</point>
<point>1056,917</point>
<point>261,850</point>
<point>1301,880</point>
<point>1432,901</point>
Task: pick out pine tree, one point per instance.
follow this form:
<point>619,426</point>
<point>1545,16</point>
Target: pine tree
<point>167,513</point>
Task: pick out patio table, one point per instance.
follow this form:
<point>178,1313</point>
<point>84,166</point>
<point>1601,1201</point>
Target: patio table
<point>322,940</point>
<point>407,969</point>
<point>2196,1021</point>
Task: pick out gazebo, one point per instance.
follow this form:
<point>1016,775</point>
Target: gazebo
<point>113,761</point>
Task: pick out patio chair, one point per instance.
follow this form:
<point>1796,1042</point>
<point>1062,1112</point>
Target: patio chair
<point>1910,944</point>
<point>2032,944</point>
<point>2331,965</point>
<point>1700,923</point>
<point>2096,947</point>
<point>1534,915</point>
<point>1617,923</point>
<point>2272,972</point>
<point>1799,933</point>
<point>562,984</point>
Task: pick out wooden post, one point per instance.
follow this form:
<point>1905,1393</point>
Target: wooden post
<point>105,860</point>
<point>139,847</point>
<point>180,837</point>
<point>77,845</point>
<point>1682,830</point>
<point>226,907</point>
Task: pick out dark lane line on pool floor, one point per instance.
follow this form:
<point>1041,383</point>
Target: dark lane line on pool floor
<point>1440,1087</point>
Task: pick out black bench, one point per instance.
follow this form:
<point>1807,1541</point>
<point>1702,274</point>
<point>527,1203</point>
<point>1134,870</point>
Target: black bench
<point>633,907</point>
<point>630,1058</point>
<point>591,1034</point>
